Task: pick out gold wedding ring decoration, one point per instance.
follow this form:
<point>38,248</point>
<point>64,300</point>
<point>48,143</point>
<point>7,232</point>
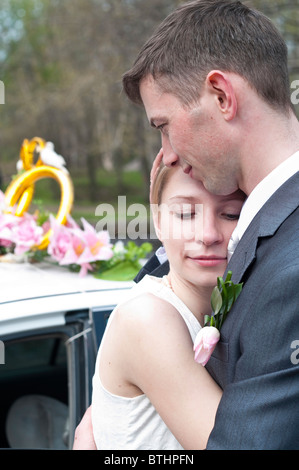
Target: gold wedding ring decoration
<point>21,189</point>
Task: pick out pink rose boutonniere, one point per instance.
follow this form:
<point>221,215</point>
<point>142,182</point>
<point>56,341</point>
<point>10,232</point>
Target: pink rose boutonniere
<point>223,298</point>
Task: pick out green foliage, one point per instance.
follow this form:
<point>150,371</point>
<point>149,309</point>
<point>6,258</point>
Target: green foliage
<point>223,297</point>
<point>42,213</point>
<point>125,263</point>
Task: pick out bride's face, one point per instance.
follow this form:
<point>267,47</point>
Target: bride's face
<point>195,227</point>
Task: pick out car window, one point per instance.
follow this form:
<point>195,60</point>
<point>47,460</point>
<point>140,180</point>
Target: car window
<point>34,352</point>
<point>34,393</point>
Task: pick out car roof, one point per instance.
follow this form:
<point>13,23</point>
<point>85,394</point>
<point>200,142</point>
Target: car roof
<point>38,295</point>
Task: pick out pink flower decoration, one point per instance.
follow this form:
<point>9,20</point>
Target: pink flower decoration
<point>60,240</point>
<point>205,343</point>
<point>97,244</point>
<point>68,244</point>
<point>70,222</point>
<point>2,201</point>
<point>26,234</point>
<point>72,245</point>
<point>19,231</point>
<point>7,222</point>
<point>75,248</point>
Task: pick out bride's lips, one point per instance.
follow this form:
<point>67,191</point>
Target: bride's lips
<point>208,261</point>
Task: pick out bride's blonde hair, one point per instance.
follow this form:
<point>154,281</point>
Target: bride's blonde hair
<point>159,182</point>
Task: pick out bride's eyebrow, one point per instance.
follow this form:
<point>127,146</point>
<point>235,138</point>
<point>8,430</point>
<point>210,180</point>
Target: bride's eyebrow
<point>184,198</point>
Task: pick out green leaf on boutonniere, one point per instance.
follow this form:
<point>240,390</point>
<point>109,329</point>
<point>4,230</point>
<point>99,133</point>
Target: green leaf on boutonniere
<point>223,298</point>
<point>216,300</point>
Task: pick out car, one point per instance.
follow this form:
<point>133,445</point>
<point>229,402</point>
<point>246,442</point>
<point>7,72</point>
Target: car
<point>51,324</point>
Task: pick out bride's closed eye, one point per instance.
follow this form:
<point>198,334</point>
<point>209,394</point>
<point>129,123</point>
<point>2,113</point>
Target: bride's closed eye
<point>185,215</point>
<point>231,216</point>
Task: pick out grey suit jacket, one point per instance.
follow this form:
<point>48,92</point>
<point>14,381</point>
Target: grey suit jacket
<point>255,361</point>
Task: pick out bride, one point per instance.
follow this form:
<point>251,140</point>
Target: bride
<point>148,391</point>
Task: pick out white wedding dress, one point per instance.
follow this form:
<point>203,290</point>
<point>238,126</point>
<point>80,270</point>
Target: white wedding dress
<point>133,423</point>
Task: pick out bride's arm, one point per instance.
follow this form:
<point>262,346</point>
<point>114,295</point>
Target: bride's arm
<point>83,439</point>
<point>159,360</point>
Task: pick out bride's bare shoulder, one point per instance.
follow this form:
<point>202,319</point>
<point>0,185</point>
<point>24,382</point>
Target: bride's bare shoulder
<point>147,309</point>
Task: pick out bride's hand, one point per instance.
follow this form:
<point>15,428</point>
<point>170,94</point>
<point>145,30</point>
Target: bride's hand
<point>84,434</point>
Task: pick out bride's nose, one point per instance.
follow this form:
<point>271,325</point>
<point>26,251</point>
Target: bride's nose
<point>210,230</point>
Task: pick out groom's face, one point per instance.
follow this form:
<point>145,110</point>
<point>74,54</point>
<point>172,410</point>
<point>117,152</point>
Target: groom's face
<point>192,137</point>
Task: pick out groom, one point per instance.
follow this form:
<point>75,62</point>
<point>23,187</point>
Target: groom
<point>213,79</point>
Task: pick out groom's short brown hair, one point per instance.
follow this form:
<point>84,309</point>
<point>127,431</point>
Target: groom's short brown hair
<point>203,35</point>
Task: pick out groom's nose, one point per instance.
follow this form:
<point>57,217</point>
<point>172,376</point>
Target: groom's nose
<point>170,158</point>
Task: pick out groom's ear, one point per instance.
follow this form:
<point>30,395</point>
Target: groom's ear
<point>221,86</point>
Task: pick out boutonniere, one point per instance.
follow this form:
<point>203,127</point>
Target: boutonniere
<point>223,297</point>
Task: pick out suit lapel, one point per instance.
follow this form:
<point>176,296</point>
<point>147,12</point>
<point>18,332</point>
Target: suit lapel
<point>276,210</point>
<point>244,254</point>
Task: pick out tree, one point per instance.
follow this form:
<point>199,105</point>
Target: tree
<point>62,63</point>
